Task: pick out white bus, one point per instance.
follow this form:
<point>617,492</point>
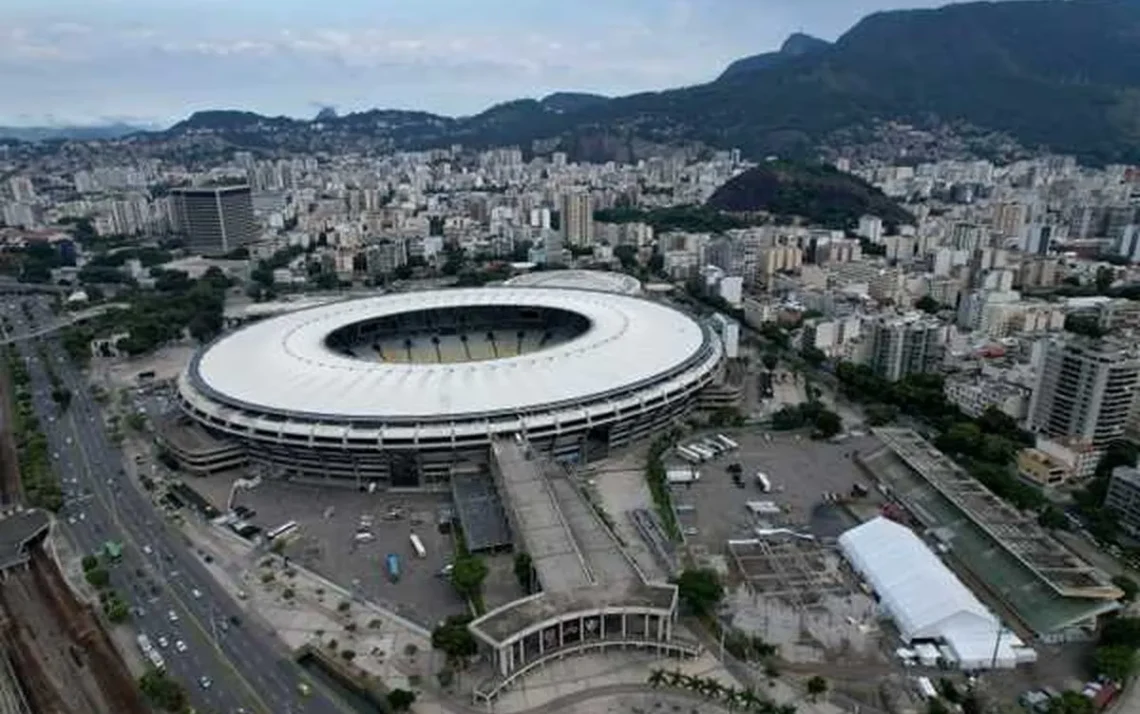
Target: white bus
<point>714,446</point>
<point>689,455</point>
<point>727,441</point>
<point>144,643</point>
<point>418,546</point>
<point>704,452</point>
<point>763,481</point>
<point>156,659</point>
<point>282,530</point>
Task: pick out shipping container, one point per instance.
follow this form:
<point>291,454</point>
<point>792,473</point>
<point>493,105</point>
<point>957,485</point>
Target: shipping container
<point>418,546</point>
<point>393,563</point>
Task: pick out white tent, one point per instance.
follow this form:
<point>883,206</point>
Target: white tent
<point>923,597</point>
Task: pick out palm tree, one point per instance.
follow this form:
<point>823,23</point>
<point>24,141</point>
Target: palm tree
<point>466,349</point>
<point>816,686</point>
<point>711,688</point>
<point>438,354</point>
<point>747,698</point>
<point>657,677</point>
<point>786,709</point>
<point>676,679</point>
<point>494,347</point>
<point>408,347</point>
<point>520,335</point>
<point>730,696</point>
<point>694,684</point>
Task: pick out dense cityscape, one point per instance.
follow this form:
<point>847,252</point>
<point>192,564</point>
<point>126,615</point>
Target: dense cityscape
<point>390,412</point>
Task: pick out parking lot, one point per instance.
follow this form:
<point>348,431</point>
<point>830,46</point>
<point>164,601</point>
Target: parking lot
<point>801,472</point>
<point>326,541</point>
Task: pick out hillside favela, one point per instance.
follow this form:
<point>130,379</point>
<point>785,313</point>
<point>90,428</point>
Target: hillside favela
<point>655,357</point>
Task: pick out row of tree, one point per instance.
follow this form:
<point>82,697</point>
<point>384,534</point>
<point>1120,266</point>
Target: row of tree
<point>746,700</point>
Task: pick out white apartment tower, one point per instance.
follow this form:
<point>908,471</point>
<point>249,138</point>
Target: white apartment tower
<point>1085,390</point>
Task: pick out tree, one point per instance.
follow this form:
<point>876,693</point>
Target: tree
<point>468,574</point>
<point>1128,585</point>
<point>89,562</point>
<point>813,356</point>
<point>700,590</point>
<point>1071,702</point>
<point>816,686</point>
<point>163,692</point>
<point>827,424</point>
<point>1052,518</point>
<point>524,572</point>
<point>881,414</point>
<point>770,361</point>
<point>1117,662</point>
<point>937,706</point>
<point>657,677</point>
<point>98,577</point>
<point>401,700</point>
<point>928,304</point>
<point>454,639</point>
<point>1121,631</point>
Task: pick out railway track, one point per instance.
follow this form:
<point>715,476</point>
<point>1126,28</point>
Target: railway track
<point>64,659</point>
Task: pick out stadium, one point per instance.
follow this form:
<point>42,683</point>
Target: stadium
<point>408,389</point>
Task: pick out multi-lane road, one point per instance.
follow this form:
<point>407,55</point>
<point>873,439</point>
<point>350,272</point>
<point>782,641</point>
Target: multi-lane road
<point>229,664</point>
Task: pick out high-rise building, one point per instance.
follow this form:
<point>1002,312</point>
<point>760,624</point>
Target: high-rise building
<point>1085,390</point>
<point>905,345</point>
<point>577,219</point>
<point>215,219</point>
<point>1123,497</point>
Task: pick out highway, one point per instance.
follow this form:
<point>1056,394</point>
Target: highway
<point>171,593</point>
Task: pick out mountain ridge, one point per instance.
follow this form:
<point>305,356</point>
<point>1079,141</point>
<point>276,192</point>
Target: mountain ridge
<point>1063,75</point>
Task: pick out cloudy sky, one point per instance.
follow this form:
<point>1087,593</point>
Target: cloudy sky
<point>88,61</point>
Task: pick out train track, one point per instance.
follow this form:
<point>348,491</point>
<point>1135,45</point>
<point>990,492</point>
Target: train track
<point>59,651</point>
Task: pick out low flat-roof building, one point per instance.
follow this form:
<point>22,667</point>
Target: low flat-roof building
<point>1045,588</point>
<point>593,596</point>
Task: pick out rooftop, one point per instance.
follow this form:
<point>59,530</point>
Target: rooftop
<point>17,530</point>
<point>284,366</point>
<point>1032,598</point>
<point>1018,534</point>
<point>579,563</point>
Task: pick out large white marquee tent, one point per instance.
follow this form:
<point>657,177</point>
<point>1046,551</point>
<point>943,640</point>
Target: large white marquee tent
<point>925,599</point>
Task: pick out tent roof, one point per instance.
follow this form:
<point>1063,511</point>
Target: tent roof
<point>924,598</point>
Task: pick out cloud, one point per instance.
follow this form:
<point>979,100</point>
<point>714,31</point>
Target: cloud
<point>164,59</point>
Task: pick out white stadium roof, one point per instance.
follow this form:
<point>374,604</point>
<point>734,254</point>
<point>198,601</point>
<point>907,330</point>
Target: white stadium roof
<point>923,597</point>
<point>579,280</point>
<point>283,365</point>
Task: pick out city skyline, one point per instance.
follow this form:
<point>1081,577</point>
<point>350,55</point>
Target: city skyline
<point>69,62</point>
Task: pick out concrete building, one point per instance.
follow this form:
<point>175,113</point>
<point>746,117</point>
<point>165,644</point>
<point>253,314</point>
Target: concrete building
<point>974,395</point>
<point>577,215</point>
<point>905,345</point>
<point>1123,497</point>
<point>729,331</point>
<point>215,220</point>
<point>1085,390</point>
<point>594,597</point>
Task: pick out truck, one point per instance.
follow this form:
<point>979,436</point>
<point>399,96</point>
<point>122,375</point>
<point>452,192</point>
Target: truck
<point>144,643</point>
<point>393,564</point>
<point>763,481</point>
<point>678,476</point>
<point>156,659</point>
<point>418,546</point>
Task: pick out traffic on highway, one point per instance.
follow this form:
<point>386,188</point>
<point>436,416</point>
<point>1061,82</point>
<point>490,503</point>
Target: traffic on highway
<point>199,633</point>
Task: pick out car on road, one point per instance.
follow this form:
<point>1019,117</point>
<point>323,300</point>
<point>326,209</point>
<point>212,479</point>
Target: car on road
<point>196,593</point>
<point>172,615</point>
<point>163,642</point>
<point>148,550</point>
<point>205,682</point>
<point>180,646</point>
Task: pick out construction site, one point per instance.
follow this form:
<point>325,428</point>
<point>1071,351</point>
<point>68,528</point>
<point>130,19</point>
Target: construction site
<point>56,656</point>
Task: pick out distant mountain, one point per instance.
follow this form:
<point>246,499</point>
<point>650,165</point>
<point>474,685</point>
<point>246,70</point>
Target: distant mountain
<point>1050,73</point>
<point>82,133</point>
<point>817,192</point>
<point>796,45</point>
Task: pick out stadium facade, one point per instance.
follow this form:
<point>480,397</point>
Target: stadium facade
<point>408,389</point>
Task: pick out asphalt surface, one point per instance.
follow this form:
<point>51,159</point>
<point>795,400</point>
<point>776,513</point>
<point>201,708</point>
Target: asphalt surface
<point>158,574</point>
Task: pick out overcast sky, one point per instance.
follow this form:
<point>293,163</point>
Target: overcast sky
<point>88,61</point>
